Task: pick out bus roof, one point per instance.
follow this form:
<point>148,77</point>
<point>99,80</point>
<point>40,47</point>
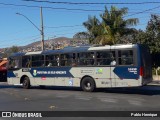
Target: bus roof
<point>17,54</point>
<point>67,50</point>
<point>117,46</point>
<point>75,49</point>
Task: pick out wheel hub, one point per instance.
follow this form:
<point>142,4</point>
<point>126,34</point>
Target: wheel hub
<point>88,85</point>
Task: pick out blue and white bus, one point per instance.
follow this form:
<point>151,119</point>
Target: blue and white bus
<point>87,67</point>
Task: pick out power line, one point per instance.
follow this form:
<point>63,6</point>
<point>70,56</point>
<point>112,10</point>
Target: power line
<point>64,26</point>
<point>8,4</point>
<point>69,9</point>
<point>90,3</point>
<point>53,27</point>
<point>63,32</point>
<point>85,10</point>
<point>59,34</point>
<point>18,39</point>
<point>68,26</point>
<point>15,33</point>
<point>20,42</point>
<point>54,8</point>
<point>22,5</point>
<point>142,11</point>
<point>67,33</point>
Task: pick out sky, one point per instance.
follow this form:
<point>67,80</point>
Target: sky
<point>60,20</point>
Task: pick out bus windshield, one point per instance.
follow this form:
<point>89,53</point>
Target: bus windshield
<point>14,62</point>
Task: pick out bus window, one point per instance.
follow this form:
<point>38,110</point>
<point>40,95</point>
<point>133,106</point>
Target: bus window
<point>106,58</point>
<point>26,61</point>
<point>38,61</point>
<point>67,59</point>
<point>125,57</point>
<point>74,61</point>
<point>14,63</point>
<point>52,60</point>
<point>86,58</point>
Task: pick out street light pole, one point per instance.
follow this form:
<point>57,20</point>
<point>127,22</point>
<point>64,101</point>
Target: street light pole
<point>41,30</point>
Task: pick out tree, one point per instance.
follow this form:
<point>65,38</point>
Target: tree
<point>112,26</point>
<point>81,37</point>
<point>93,26</point>
<point>153,34</point>
<point>9,51</point>
<point>136,36</point>
<point>152,39</point>
<point>14,49</point>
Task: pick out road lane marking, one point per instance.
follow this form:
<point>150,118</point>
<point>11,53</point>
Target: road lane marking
<point>134,102</point>
<point>82,98</point>
<point>26,99</point>
<point>108,100</point>
<point>52,107</point>
<point>62,96</point>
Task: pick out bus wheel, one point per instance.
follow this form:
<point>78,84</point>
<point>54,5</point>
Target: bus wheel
<point>88,84</point>
<point>26,83</point>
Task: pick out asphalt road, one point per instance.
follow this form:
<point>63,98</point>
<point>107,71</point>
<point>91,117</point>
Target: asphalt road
<point>15,98</point>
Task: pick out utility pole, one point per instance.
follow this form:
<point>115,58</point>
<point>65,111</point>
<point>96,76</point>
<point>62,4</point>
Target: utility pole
<point>42,29</point>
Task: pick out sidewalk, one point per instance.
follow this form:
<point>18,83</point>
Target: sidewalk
<point>156,77</point>
<point>155,83</point>
<point>156,80</point>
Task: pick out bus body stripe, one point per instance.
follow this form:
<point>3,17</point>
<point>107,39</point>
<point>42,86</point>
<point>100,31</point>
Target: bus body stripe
<point>10,74</point>
<point>127,72</point>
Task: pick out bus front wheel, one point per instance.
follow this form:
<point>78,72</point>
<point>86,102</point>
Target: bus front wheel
<point>26,83</point>
<point>88,84</point>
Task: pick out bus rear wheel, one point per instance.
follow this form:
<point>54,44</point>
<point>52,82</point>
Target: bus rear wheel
<point>26,83</point>
<point>88,84</point>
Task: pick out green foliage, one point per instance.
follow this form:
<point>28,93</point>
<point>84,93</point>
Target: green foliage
<point>154,71</point>
<point>14,49</point>
<point>81,35</point>
<point>111,28</point>
<point>9,51</point>
<point>153,34</point>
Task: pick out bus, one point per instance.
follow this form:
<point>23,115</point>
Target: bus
<point>3,70</point>
<point>87,67</point>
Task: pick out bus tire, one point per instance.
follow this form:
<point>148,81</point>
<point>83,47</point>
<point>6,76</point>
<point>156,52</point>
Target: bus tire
<point>88,84</point>
<point>26,83</point>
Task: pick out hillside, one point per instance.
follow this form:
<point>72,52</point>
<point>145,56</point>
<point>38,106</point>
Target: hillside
<point>56,43</point>
<point>48,44</point>
<point>55,40</point>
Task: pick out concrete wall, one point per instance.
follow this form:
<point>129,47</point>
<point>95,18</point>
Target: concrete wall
<point>156,77</point>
